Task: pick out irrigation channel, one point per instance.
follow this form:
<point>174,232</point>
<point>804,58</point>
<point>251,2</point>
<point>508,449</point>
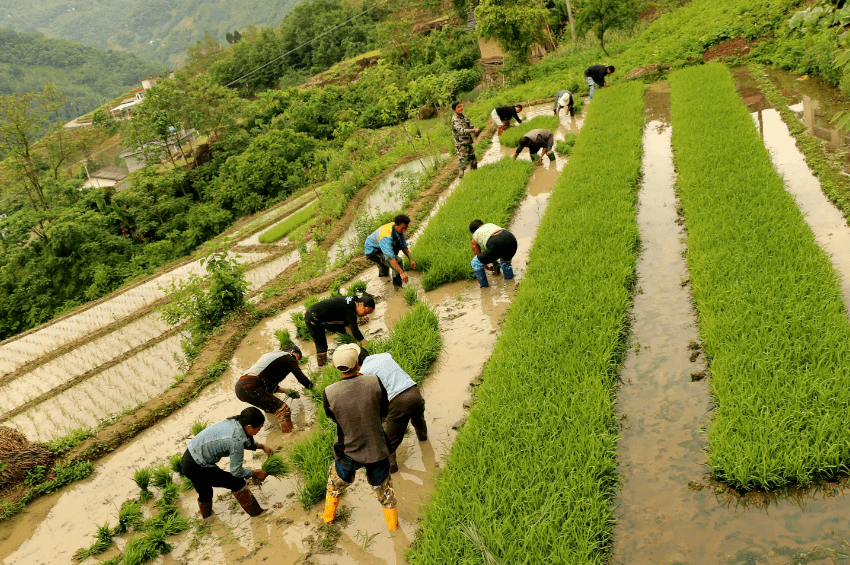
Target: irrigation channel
<point>669,511</point>
<point>52,528</point>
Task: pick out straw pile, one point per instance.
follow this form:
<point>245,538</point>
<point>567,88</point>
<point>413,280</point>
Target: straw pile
<point>18,456</point>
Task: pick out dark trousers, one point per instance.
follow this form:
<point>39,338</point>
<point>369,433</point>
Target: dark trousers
<point>376,473</point>
<point>384,268</point>
<point>251,390</point>
<point>500,246</point>
<point>317,330</point>
<point>205,478</point>
<point>408,406</point>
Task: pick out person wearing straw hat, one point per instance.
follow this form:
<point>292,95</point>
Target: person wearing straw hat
<point>356,404</point>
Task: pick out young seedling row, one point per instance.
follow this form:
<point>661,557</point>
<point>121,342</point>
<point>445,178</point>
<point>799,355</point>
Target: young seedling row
<point>771,316</point>
<point>532,472</point>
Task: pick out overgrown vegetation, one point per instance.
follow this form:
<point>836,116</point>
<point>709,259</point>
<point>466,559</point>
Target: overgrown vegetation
<point>771,315</point>
<point>560,485</point>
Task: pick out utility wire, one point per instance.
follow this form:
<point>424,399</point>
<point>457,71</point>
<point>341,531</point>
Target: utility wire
<point>249,73</point>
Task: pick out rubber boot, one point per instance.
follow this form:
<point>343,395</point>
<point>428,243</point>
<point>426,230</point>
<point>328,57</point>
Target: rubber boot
<point>284,416</point>
<point>331,504</point>
<point>508,270</point>
<point>206,508</point>
<point>393,464</point>
<point>421,432</point>
<point>249,504</point>
<point>322,359</point>
<point>391,516</point>
<point>396,280</point>
<point>333,492</point>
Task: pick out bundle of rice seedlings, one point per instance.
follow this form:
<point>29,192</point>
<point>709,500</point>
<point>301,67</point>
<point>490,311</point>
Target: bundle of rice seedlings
<point>198,426</point>
<point>139,551</point>
<point>157,542</point>
<point>111,561</point>
<point>283,337</point>
<point>342,339</point>
<point>356,288</point>
<point>161,477</point>
<point>411,295</point>
<point>129,517</point>
<point>176,463</point>
<point>168,520</point>
<point>301,331</point>
<point>104,540</point>
<point>275,466</point>
<point>169,495</point>
<point>143,480</point>
<point>187,485</point>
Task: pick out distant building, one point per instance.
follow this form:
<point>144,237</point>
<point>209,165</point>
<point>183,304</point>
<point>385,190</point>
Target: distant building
<point>135,158</point>
<point>492,56</point>
<point>107,176</point>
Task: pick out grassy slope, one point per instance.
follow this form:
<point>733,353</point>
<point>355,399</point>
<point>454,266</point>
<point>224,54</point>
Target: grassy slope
<point>771,314</point>
<point>533,469</point>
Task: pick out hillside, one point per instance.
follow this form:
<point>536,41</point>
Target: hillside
<point>87,76</point>
<point>158,30</point>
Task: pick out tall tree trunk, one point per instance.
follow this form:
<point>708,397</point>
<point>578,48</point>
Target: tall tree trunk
<point>572,20</point>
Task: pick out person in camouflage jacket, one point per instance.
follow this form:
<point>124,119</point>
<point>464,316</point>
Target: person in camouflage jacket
<point>462,131</point>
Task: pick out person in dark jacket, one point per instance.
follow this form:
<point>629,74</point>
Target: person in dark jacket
<point>594,76</point>
<point>536,140</point>
<point>260,383</point>
<point>564,99</point>
<point>506,114</point>
<point>228,438</point>
<point>356,404</point>
<point>338,315</point>
<point>491,244</point>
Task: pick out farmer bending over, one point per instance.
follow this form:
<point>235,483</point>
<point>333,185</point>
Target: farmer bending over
<point>498,244</point>
<point>594,76</point>
<point>506,114</point>
<point>536,140</point>
<point>356,404</point>
<point>260,383</point>
<point>564,99</point>
<point>382,247</point>
<point>338,315</point>
<point>228,438</point>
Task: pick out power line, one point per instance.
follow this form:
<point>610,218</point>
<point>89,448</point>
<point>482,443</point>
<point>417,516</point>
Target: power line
<point>249,73</point>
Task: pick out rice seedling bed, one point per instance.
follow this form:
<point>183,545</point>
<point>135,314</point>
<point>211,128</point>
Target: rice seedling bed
<point>511,136</point>
<point>414,343</point>
<point>290,223</point>
<point>532,473</point>
<point>771,316</point>
<point>491,194</point>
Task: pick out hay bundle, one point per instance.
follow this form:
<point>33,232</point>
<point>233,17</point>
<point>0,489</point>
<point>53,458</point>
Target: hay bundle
<point>18,456</point>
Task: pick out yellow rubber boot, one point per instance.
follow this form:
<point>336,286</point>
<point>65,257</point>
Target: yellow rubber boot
<point>329,514</point>
<point>391,516</point>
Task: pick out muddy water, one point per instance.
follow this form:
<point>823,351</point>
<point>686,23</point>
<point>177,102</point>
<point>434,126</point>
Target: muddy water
<point>668,511</point>
<point>53,528</point>
<point>388,196</point>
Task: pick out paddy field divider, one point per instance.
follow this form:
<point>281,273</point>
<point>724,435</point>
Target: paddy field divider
<point>772,320</point>
<point>491,194</point>
<point>530,478</point>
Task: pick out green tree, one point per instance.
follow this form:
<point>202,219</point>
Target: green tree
<point>600,16</point>
<point>102,118</point>
<point>516,25</point>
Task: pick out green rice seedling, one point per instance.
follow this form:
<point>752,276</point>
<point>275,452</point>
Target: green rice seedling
<point>161,476</point>
<point>357,288</point>
<point>103,538</point>
<point>411,295</point>
<point>170,494</point>
<point>590,226</point>
<point>772,319</point>
<point>186,485</point>
<point>562,148</point>
<point>310,300</point>
<point>283,338</point>
<point>491,194</point>
<point>157,542</point>
<point>511,136</point>
<point>198,426</point>
<point>129,517</point>
<point>301,330</point>
<point>275,466</point>
<point>175,463</point>
<point>116,560</point>
<point>139,551</point>
<point>143,480</point>
<point>342,339</point>
<point>335,289</point>
<point>294,221</point>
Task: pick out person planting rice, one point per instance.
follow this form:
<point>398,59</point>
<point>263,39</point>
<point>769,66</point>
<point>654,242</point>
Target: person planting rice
<point>536,140</point>
<point>382,247</point>
<point>462,130</point>
<point>506,114</point>
<point>338,315</point>
<point>499,247</point>
<point>594,76</point>
<point>228,438</point>
<point>260,383</point>
<point>356,405</point>
<point>564,99</point>
<point>406,402</point>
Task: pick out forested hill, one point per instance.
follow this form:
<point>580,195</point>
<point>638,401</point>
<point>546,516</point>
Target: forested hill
<point>85,75</point>
<point>158,30</point>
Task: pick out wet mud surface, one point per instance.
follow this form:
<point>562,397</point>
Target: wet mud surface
<point>669,512</point>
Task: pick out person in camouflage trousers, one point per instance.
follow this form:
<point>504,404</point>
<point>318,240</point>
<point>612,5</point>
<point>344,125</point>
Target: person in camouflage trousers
<point>462,131</point>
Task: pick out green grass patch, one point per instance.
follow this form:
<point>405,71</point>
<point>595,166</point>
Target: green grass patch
<point>294,221</point>
<point>414,343</point>
<point>491,194</point>
<point>533,473</point>
<point>772,320</point>
<point>511,136</point>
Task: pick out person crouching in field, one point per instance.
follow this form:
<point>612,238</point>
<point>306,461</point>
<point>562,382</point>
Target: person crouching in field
<point>382,247</point>
<point>499,247</point>
<point>228,438</point>
<point>506,114</point>
<point>406,402</point>
<point>356,405</point>
<point>536,140</point>
<point>564,99</point>
<point>260,383</point>
<point>337,315</point>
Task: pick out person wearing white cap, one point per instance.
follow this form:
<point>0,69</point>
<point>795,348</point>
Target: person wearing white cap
<point>564,99</point>
<point>357,403</point>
